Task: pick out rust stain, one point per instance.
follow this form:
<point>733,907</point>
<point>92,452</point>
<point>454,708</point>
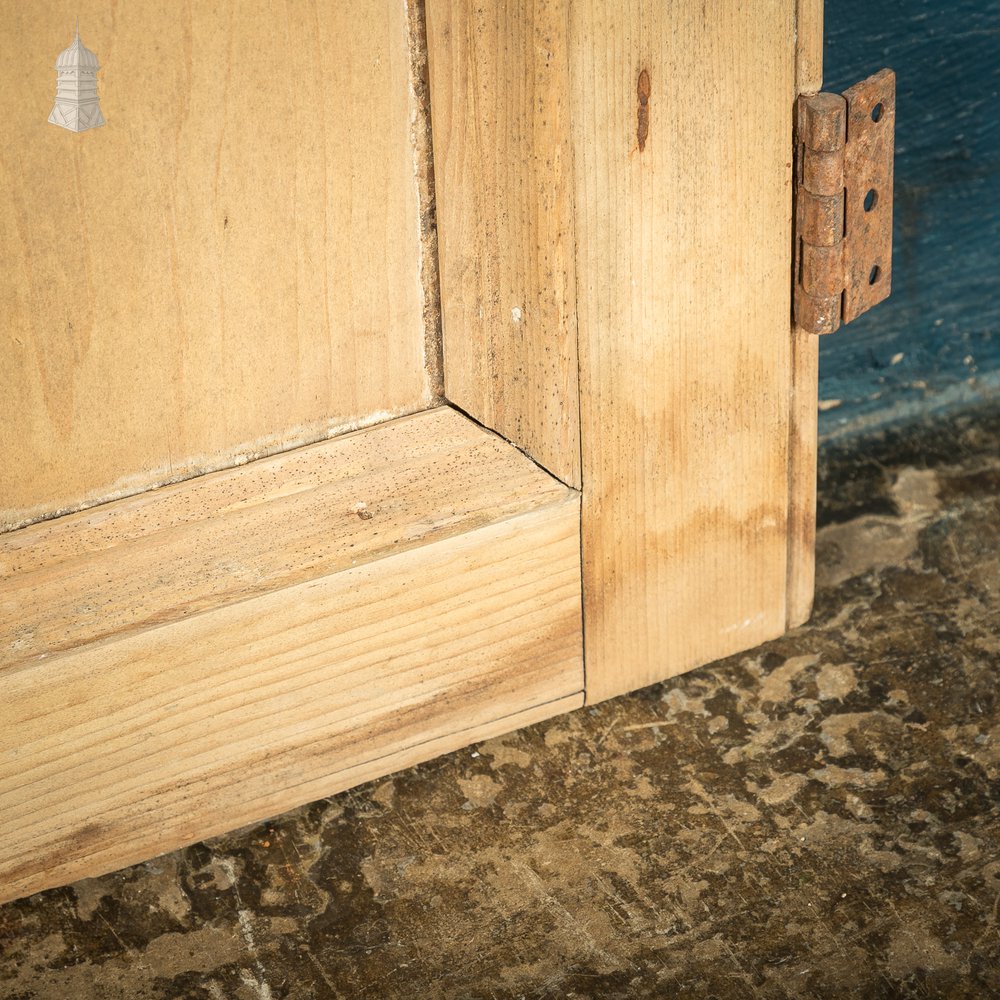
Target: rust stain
<point>643,92</point>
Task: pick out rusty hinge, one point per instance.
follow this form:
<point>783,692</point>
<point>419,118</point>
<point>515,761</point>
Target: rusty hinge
<point>843,202</point>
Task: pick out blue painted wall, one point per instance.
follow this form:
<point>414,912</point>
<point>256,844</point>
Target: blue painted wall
<point>935,343</point>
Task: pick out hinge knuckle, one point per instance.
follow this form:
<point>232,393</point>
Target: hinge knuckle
<point>823,269</point>
<point>817,314</point>
<point>843,202</point>
<point>821,218</point>
<point>822,122</point>
<point>823,172</point>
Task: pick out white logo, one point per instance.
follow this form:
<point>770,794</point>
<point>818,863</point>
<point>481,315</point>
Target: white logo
<point>76,106</point>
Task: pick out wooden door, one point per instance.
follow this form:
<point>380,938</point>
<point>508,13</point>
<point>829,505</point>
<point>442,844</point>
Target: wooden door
<point>597,472</point>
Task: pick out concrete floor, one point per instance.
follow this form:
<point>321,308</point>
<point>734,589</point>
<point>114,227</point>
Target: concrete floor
<point>817,818</point>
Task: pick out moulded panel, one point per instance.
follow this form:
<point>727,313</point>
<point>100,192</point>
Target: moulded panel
<point>229,266</point>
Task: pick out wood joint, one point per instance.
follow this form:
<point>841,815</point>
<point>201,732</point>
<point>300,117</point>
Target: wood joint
<point>843,202</point>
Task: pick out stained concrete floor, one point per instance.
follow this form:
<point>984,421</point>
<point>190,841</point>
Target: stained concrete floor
<point>816,818</point>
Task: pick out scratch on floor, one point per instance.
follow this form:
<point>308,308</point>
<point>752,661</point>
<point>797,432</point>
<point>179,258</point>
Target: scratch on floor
<point>258,982</point>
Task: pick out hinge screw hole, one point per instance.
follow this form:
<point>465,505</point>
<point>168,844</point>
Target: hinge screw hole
<point>877,112</point>
<point>874,274</point>
<point>871,199</point>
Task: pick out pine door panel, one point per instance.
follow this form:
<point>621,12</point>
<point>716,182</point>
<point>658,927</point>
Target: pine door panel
<point>230,266</point>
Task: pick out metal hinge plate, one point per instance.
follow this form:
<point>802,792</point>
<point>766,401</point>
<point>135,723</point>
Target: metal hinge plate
<point>843,202</point>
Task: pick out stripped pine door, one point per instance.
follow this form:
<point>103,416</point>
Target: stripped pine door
<point>597,470</point>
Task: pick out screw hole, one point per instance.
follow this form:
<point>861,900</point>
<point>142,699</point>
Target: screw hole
<point>871,200</point>
<point>874,274</point>
<point>877,112</point>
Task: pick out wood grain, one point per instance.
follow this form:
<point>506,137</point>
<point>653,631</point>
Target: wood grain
<point>503,172</point>
<point>671,132</point>
<point>802,439</point>
<point>447,616</point>
<point>683,253</point>
<point>230,266</point>
<point>221,538</point>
